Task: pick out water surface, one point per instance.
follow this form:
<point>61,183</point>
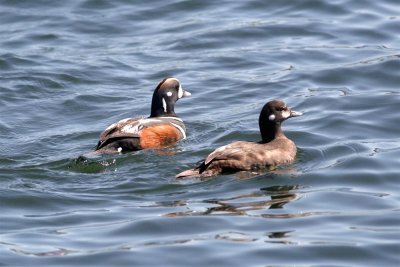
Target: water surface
<point>70,69</point>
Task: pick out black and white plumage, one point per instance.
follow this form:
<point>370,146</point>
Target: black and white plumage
<point>161,129</point>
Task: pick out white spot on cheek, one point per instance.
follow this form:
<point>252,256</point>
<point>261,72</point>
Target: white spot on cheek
<point>119,149</point>
<point>271,117</point>
<point>164,104</point>
<point>169,93</point>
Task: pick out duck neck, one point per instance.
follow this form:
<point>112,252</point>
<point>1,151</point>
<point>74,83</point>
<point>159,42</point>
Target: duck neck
<point>270,130</point>
<point>160,108</point>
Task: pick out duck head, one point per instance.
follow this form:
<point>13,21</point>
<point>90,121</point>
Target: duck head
<point>272,115</point>
<point>167,92</point>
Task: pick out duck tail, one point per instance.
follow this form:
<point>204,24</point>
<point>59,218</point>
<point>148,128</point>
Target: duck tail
<point>88,156</point>
<point>192,173</point>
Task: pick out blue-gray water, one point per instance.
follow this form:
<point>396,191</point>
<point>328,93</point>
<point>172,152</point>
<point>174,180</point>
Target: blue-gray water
<point>68,69</point>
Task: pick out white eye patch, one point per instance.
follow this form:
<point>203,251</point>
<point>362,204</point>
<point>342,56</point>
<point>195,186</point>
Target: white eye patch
<point>169,93</point>
<point>271,117</point>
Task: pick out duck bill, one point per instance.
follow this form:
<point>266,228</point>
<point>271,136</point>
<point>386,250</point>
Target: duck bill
<point>294,113</point>
<point>186,93</point>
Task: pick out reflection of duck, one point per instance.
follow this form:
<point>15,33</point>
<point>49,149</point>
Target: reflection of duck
<point>274,149</point>
<point>282,195</point>
<point>163,128</point>
<point>245,204</point>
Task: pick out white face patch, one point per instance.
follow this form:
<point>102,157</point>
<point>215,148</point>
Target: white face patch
<point>169,93</point>
<point>119,149</point>
<point>164,104</point>
<point>286,114</point>
<point>271,117</point>
<point>180,91</point>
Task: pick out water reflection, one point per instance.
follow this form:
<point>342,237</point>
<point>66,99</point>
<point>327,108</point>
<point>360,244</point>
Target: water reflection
<point>52,253</point>
<point>272,237</point>
<point>279,234</point>
<point>235,237</point>
<point>274,197</point>
<point>280,238</point>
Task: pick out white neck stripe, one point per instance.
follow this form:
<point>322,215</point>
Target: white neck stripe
<point>164,104</point>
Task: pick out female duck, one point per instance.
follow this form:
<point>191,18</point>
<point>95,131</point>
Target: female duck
<point>163,128</point>
<point>274,148</point>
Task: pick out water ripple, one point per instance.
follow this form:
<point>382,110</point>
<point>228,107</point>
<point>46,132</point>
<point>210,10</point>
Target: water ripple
<point>70,69</point>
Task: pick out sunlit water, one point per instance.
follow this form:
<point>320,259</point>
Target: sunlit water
<point>70,69</point>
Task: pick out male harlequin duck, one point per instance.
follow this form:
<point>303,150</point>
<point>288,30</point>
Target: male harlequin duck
<point>274,148</point>
<point>163,128</point>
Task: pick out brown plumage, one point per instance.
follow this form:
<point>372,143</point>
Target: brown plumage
<point>274,148</point>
